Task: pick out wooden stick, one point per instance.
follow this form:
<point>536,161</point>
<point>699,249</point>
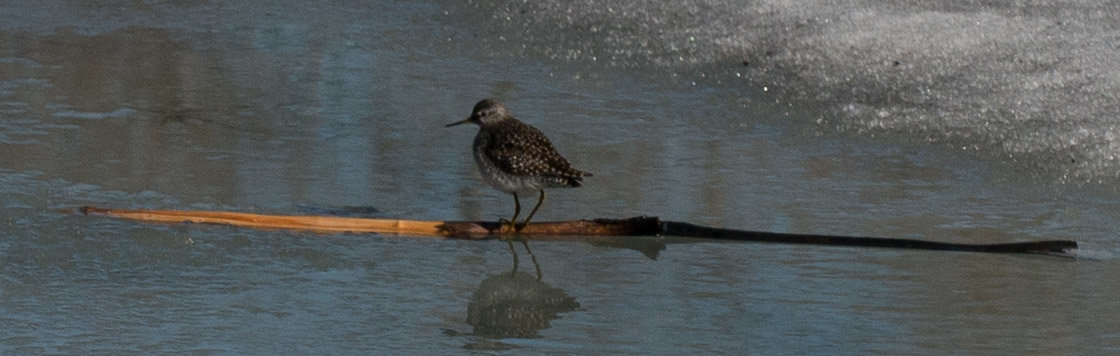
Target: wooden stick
<point>325,224</point>
<point>1063,248</point>
<point>602,231</point>
<point>329,224</point>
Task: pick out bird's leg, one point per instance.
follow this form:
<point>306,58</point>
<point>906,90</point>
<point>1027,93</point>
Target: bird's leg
<point>526,223</point>
<point>516,212</point>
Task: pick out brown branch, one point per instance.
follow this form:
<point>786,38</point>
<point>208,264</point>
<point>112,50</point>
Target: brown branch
<point>328,224</point>
<point>601,231</point>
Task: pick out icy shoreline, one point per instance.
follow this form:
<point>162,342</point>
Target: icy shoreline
<point>1037,85</point>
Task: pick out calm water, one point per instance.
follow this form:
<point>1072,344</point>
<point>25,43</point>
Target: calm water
<point>310,107</point>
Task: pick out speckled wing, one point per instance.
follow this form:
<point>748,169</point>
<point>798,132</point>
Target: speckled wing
<point>523,150</point>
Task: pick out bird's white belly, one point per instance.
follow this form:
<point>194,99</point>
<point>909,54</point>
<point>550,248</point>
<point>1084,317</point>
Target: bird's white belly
<point>506,182</point>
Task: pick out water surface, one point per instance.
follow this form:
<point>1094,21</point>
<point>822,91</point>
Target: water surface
<point>311,107</point>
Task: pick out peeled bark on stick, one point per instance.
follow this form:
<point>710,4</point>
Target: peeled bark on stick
<point>560,230</point>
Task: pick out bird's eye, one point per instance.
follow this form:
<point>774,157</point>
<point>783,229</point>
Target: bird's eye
<point>482,113</point>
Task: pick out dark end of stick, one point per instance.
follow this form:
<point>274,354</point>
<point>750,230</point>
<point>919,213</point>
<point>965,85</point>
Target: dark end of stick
<point>1060,248</point>
<point>1063,248</point>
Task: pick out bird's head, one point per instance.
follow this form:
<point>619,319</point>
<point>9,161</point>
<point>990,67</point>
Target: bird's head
<point>485,112</point>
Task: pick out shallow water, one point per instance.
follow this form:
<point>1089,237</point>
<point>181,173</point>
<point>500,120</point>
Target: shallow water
<point>312,107</point>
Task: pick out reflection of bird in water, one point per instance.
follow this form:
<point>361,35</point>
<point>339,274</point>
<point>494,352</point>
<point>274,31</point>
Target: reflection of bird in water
<point>515,304</point>
<point>531,256</point>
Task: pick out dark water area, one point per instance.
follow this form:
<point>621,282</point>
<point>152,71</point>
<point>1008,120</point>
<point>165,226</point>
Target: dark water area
<point>317,107</point>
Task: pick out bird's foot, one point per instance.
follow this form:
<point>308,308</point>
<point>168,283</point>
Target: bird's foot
<point>513,229</point>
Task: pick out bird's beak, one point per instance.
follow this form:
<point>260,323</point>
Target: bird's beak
<point>463,121</point>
